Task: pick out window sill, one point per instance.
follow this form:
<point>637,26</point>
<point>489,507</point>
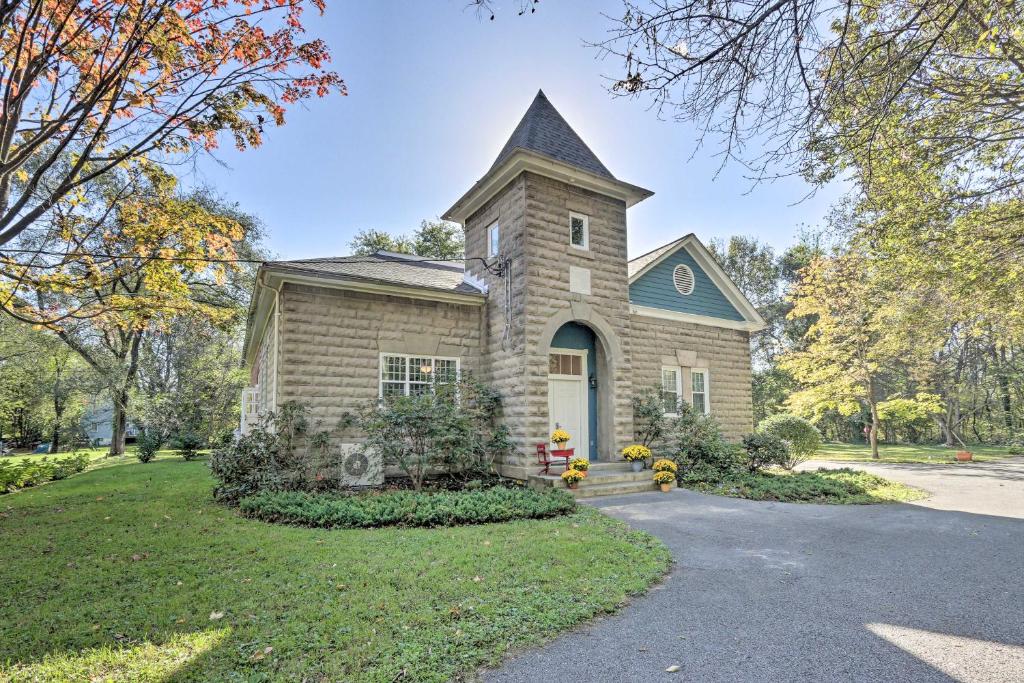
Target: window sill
<point>580,252</point>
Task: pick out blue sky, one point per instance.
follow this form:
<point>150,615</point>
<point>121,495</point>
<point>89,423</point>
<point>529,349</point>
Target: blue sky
<point>434,94</point>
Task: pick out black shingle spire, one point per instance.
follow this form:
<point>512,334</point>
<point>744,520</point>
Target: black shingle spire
<point>543,130</point>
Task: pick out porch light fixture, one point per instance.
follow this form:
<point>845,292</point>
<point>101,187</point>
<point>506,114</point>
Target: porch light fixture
<point>426,369</point>
<point>592,381</point>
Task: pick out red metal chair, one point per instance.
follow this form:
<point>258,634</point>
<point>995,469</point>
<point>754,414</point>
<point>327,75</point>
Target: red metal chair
<point>558,458</point>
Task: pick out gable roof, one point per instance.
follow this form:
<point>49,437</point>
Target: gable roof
<point>643,264</point>
<point>385,267</point>
<point>544,131</point>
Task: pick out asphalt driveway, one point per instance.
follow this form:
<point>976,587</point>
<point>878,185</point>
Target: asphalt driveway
<point>932,591</point>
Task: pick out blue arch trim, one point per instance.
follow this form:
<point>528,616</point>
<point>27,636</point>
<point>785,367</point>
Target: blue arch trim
<point>581,337</point>
<point>656,289</point>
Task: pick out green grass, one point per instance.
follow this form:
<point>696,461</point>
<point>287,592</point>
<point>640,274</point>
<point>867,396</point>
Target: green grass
<point>905,453</point>
<point>833,487</point>
<point>93,453</point>
<point>131,572</point>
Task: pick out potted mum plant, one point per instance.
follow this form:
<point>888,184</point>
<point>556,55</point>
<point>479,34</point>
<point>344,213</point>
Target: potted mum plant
<point>560,437</point>
<point>572,478</point>
<point>580,465</point>
<point>636,455</point>
<point>665,474</point>
<point>665,479</point>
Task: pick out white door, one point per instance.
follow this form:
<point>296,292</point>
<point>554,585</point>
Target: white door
<point>567,397</point>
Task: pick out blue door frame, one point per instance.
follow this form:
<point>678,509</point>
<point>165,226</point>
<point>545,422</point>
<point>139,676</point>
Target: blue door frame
<point>581,337</point>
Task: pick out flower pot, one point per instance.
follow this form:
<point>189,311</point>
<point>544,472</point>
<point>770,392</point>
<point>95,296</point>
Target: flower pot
<point>964,456</point>
<point>665,488</point>
<point>560,446</point>
<point>637,465</point>
<point>573,485</point>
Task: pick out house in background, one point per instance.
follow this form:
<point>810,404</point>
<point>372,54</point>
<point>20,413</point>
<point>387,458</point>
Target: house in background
<point>98,423</point>
<point>548,309</point>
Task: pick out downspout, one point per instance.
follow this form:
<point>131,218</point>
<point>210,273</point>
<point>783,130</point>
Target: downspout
<point>277,338</point>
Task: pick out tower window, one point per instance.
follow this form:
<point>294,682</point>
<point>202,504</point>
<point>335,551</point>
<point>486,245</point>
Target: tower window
<point>579,230</point>
<point>493,240</point>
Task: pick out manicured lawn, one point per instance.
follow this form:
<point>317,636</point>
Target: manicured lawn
<point>834,487</point>
<point>93,453</point>
<point>905,453</point>
<point>131,572</point>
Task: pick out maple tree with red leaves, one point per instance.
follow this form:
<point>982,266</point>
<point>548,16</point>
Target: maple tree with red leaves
<point>86,86</point>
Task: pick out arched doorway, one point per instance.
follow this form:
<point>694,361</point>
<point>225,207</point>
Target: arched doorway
<point>573,376</point>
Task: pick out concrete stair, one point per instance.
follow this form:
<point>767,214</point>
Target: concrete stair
<point>603,479</point>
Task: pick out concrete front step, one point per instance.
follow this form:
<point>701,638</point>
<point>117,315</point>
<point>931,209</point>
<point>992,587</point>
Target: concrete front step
<point>612,489</point>
<point>603,479</point>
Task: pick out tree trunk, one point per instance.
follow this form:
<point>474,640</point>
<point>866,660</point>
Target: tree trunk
<point>119,424</point>
<point>875,424</point>
<point>55,436</point>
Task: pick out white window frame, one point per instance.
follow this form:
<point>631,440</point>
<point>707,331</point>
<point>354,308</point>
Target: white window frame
<point>679,386</point>
<point>586,231</point>
<point>493,240</point>
<point>407,383</point>
<point>707,388</point>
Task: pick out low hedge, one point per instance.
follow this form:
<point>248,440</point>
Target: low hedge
<point>28,472</point>
<point>406,508</point>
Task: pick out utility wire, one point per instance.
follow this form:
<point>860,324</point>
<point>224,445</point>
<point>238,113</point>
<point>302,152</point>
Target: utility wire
<point>493,267</point>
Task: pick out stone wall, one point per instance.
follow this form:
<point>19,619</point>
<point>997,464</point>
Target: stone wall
<point>533,214</point>
<point>724,352</point>
<point>331,340</point>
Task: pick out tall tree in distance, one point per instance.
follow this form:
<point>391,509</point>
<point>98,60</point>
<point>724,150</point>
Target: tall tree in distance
<point>433,239</point>
<point>130,262</point>
<point>86,86</point>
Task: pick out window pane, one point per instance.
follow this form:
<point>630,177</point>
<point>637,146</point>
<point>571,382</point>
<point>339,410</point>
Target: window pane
<point>394,389</point>
<point>553,364</point>
<point>445,371</point>
<point>698,403</point>
<point>577,365</point>
<point>576,230</point>
<point>698,381</point>
<point>670,400</point>
<point>420,369</point>
<point>493,241</point>
<point>669,381</point>
<point>393,369</point>
<point>418,389</point>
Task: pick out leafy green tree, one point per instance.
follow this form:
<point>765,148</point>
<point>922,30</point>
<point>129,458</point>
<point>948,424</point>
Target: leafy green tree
<point>433,239</point>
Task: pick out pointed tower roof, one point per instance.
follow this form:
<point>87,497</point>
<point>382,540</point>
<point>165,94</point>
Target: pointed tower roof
<point>544,131</point>
<point>543,143</point>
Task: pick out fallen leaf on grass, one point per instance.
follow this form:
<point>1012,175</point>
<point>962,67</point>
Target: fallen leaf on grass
<point>214,616</point>
<point>672,669</point>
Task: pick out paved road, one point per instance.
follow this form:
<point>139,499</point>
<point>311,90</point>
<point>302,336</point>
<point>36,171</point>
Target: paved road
<point>767,592</point>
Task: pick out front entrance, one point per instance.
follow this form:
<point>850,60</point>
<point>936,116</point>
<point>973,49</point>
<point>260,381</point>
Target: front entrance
<point>568,404</point>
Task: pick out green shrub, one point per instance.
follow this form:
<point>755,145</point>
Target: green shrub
<point>189,445</point>
<point>802,438</point>
<point>146,447</point>
<point>695,442</point>
<point>406,508</point>
<point>764,450</point>
<point>26,472</point>
<point>451,429</point>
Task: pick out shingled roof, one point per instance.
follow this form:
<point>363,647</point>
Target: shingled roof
<point>543,130</point>
<point>640,262</point>
<point>385,267</point>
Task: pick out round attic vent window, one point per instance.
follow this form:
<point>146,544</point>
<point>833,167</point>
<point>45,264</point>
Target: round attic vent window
<point>682,276</point>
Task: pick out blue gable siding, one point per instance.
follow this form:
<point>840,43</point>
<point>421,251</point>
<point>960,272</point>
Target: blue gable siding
<point>656,290</point>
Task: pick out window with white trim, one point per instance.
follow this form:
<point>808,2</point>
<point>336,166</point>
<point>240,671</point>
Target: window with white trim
<point>699,390</point>
<point>671,388</point>
<point>579,230</point>
<point>493,240</point>
<point>407,375</point>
